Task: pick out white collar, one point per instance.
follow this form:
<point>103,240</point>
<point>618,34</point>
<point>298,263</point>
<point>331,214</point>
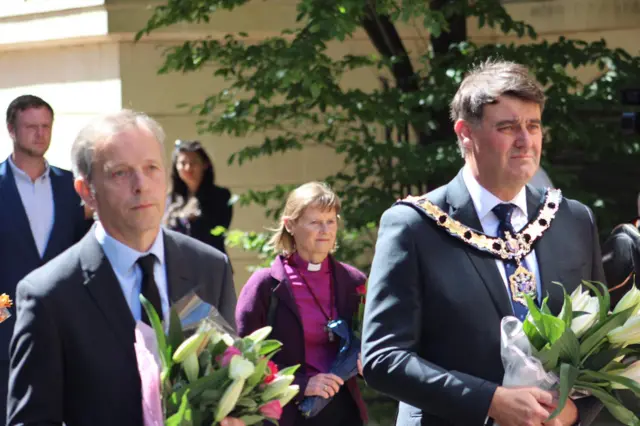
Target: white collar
<point>122,257</point>
<point>19,173</point>
<point>484,201</point>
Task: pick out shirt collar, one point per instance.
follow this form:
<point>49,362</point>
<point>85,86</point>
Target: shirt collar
<point>484,201</point>
<point>18,172</point>
<point>122,257</point>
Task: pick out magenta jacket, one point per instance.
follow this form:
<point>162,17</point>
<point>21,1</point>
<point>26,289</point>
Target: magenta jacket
<point>251,314</point>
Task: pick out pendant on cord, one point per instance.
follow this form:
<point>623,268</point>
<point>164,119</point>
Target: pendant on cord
<point>327,329</point>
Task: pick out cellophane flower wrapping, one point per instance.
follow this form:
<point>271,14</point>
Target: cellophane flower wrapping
<point>149,369</point>
<point>207,372</point>
<point>521,368</point>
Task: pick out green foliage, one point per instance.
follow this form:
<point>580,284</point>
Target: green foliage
<point>290,89</point>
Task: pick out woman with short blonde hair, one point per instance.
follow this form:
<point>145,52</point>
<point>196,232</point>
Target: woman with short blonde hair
<point>303,290</point>
<point>317,194</point>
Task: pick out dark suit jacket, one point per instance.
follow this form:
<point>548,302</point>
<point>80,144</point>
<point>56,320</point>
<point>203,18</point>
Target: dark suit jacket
<point>621,258</point>
<point>251,314</point>
<point>72,354</point>
<point>18,252</point>
<point>434,305</point>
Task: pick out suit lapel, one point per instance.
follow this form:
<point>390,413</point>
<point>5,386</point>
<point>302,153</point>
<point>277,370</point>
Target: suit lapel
<point>546,255</point>
<point>463,210</point>
<point>11,199</point>
<point>58,213</point>
<point>102,284</point>
<point>177,273</point>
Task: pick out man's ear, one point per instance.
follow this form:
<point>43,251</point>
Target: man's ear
<point>463,131</point>
<point>12,131</point>
<point>83,188</point>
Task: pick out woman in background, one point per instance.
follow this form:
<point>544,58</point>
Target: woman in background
<point>304,288</point>
<point>196,204</point>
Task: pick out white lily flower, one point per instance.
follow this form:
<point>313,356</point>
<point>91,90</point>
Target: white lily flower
<point>628,334</point>
<point>629,300</point>
<point>229,399</point>
<point>277,388</point>
<point>579,298</point>
<point>631,372</point>
<point>289,394</point>
<point>584,303</point>
<point>240,368</point>
<point>191,367</point>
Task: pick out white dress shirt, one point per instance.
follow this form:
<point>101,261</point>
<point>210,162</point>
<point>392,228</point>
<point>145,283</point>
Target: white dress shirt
<point>123,261</point>
<point>38,203</point>
<point>484,201</point>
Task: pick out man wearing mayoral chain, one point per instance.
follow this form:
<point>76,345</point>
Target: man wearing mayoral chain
<point>449,265</point>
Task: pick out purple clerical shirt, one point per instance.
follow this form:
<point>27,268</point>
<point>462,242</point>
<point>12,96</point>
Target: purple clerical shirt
<point>319,351</point>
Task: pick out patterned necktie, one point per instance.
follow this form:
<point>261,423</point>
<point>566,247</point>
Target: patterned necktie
<point>149,289</point>
<point>504,212</point>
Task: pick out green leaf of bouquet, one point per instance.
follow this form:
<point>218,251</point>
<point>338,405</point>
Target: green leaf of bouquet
<point>157,328</point>
<point>269,346</point>
<point>175,336</point>
<point>217,349</point>
<point>630,384</point>
<point>258,374</point>
<point>615,407</point>
<point>600,333</point>
<point>249,403</point>
<point>566,314</point>
<point>259,335</point>
<point>568,347</point>
<point>289,371</point>
<point>549,326</point>
<point>604,300</point>
<point>215,380</point>
<point>600,360</point>
<point>534,336</point>
<point>252,419</point>
<point>544,308</point>
<point>568,375</point>
<point>184,415</point>
<point>536,315</point>
<point>549,356</point>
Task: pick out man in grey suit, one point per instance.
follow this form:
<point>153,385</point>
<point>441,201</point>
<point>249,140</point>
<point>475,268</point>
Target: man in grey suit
<point>72,352</point>
<point>445,270</point>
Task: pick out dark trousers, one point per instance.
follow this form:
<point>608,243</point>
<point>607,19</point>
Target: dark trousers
<point>341,411</point>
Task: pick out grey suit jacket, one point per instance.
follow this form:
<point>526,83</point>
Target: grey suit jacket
<point>431,334</point>
<point>72,354</point>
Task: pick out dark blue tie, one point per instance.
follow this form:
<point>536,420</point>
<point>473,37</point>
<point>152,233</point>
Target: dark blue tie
<point>504,212</point>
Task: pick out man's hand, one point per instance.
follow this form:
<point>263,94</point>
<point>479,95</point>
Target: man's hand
<point>520,406</point>
<point>567,417</point>
<point>230,421</point>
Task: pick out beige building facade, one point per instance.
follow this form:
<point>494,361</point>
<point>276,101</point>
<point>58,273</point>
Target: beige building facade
<point>79,55</point>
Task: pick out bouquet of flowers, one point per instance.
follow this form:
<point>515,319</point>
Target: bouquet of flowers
<point>5,304</point>
<point>204,372</point>
<point>345,365</point>
<point>586,350</point>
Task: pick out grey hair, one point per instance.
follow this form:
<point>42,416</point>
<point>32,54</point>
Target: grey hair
<point>103,128</point>
<point>485,83</point>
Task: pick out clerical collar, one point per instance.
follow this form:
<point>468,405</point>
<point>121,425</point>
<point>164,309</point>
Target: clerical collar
<point>308,266</point>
